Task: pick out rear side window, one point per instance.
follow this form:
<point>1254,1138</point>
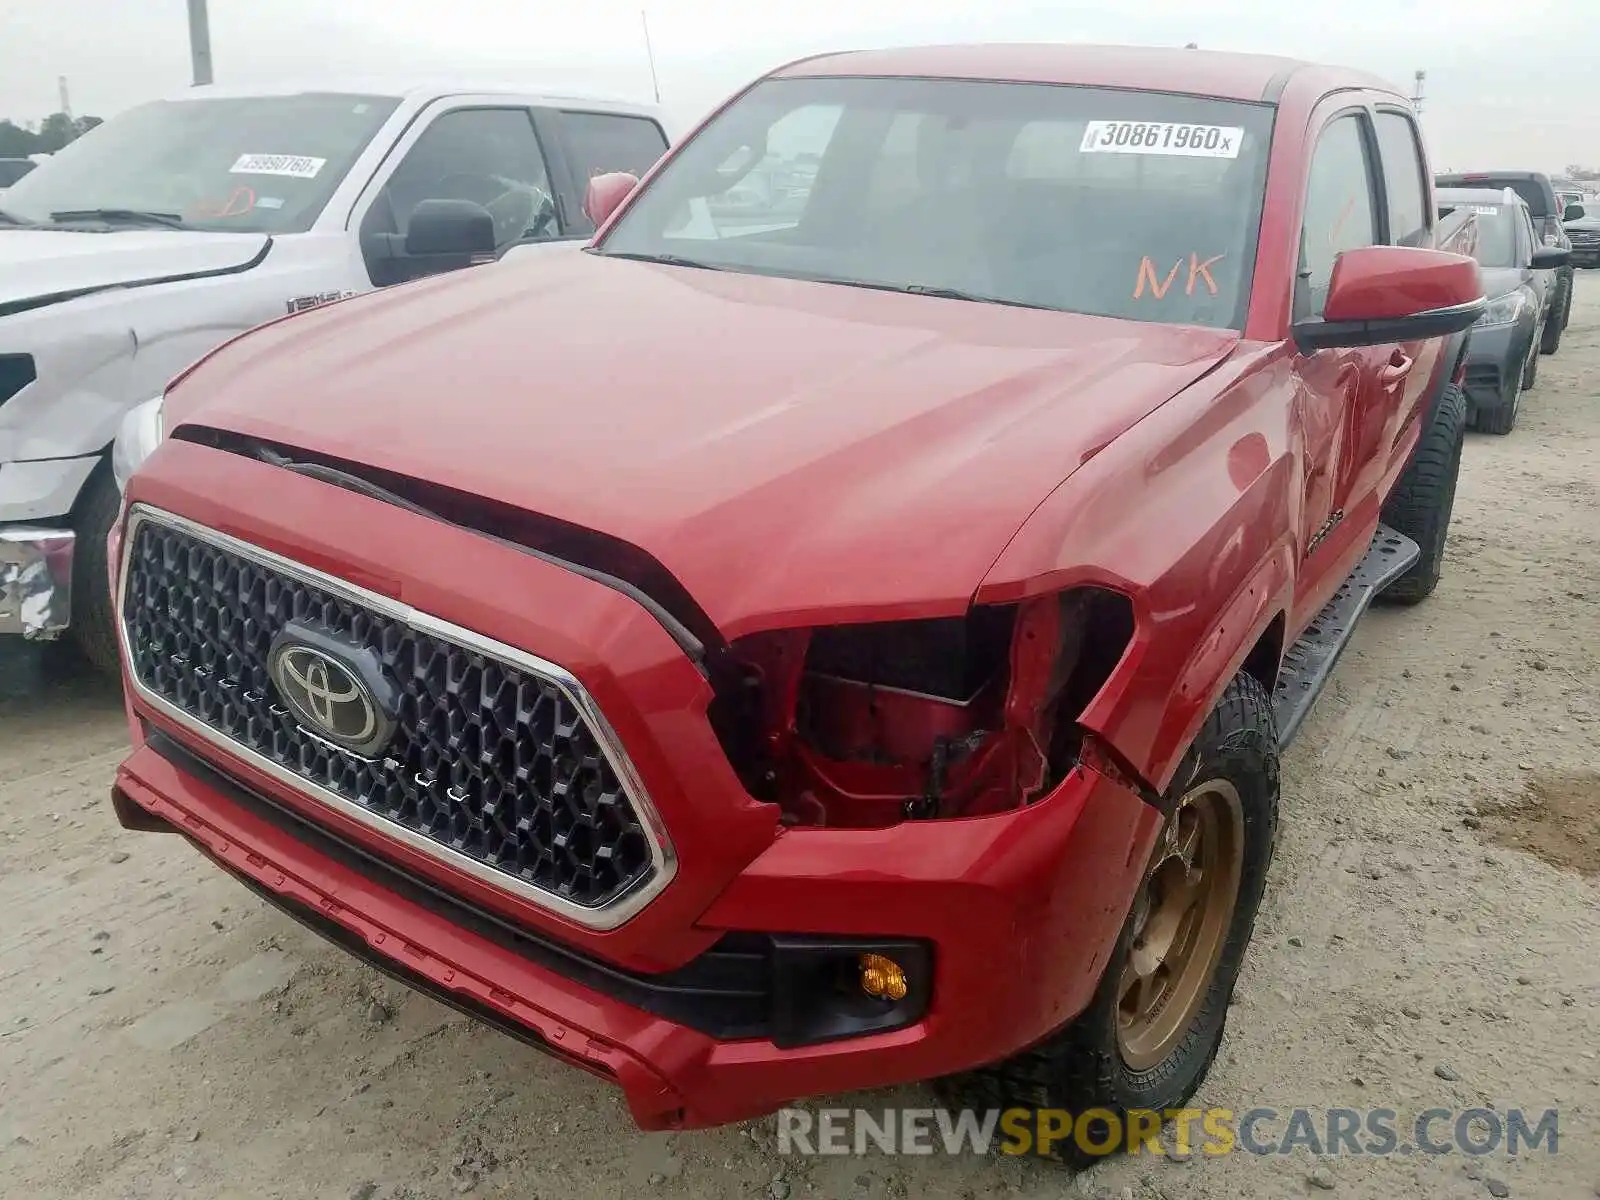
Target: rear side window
<point>599,143</point>
<point>1402,177</point>
<point>1339,212</point>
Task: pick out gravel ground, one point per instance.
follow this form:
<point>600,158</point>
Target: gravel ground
<point>1429,939</point>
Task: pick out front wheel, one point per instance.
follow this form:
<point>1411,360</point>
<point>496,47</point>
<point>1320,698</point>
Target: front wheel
<point>94,624</point>
<point>1556,322</point>
<point>1151,1032</point>
<point>1421,503</point>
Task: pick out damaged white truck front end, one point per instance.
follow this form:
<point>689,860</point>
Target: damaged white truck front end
<point>180,224</point>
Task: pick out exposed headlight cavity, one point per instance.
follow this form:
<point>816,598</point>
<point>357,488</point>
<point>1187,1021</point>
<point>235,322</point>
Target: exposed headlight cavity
<point>141,432</point>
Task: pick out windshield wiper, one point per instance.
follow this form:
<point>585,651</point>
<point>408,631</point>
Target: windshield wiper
<point>13,219</point>
<point>670,260</point>
<point>938,293</point>
<point>119,216</point>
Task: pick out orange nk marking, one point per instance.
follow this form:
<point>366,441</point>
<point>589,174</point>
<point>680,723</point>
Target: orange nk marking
<point>1199,272</point>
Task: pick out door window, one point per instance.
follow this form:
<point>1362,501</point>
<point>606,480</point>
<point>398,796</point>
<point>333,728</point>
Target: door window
<point>490,156</point>
<point>599,143</point>
<point>1402,176</point>
<point>1339,213</point>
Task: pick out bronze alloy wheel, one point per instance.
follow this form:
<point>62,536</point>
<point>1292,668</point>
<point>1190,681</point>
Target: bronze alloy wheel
<point>1180,923</point>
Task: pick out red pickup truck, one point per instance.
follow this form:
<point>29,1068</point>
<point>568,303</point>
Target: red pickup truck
<point>839,628</point>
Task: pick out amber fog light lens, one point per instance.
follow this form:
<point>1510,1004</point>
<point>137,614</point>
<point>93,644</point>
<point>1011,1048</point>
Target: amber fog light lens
<point>883,977</point>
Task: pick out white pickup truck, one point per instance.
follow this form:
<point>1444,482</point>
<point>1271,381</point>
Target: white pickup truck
<point>181,223</point>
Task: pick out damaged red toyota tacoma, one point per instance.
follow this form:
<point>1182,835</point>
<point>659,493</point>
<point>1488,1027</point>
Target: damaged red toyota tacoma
<point>839,628</point>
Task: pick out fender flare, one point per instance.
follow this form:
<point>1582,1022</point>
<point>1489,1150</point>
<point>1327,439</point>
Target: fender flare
<point>1262,598</point>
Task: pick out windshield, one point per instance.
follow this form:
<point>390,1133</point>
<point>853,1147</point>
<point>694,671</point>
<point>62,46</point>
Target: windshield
<point>1497,234</point>
<point>13,169</point>
<point>1131,204</point>
<point>261,164</point>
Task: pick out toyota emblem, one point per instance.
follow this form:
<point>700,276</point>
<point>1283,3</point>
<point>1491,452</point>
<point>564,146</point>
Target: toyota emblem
<point>328,698</point>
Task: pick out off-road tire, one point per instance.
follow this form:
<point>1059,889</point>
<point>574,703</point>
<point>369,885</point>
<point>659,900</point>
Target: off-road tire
<point>94,623</point>
<point>1421,502</point>
<point>1530,369</point>
<point>1081,1067</point>
<point>1560,310</point>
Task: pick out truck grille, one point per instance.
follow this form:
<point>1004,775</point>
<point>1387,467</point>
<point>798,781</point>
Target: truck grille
<point>1584,239</point>
<point>492,765</point>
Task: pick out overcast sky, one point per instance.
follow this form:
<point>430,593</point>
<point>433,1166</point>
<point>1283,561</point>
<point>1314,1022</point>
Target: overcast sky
<point>1509,82</point>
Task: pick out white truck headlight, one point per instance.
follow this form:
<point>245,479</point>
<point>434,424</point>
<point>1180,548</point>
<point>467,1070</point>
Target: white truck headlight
<point>141,432</point>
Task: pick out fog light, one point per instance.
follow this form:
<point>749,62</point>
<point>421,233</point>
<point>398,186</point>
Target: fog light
<point>882,977</point>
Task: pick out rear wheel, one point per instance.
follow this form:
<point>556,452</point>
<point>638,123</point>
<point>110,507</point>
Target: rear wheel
<point>1149,1036</point>
<point>1421,503</point>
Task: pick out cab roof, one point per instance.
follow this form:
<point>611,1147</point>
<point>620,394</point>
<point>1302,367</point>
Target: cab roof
<point>1455,195</point>
<point>1222,74</point>
<point>415,89</point>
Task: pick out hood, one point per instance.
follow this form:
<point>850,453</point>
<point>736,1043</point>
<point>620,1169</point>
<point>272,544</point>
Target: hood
<point>1497,281</point>
<point>785,449</point>
<point>40,266</point>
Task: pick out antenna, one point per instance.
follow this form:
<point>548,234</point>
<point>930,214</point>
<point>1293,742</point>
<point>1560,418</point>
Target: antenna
<point>199,42</point>
<point>654,82</point>
<point>1416,91</point>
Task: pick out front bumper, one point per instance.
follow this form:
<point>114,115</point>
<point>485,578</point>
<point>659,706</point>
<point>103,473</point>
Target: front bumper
<point>1019,940</point>
<point>1494,361</point>
<point>35,581</point>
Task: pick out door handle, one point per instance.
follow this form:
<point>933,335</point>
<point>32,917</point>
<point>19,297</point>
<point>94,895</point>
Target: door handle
<point>1399,367</point>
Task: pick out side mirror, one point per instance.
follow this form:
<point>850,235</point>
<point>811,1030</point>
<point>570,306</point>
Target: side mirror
<point>452,227</point>
<point>1548,258</point>
<point>606,194</point>
<point>1384,294</point>
<point>1573,212</point>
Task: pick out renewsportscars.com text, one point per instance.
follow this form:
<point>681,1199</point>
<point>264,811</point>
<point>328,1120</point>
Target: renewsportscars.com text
<point>1211,1131</point>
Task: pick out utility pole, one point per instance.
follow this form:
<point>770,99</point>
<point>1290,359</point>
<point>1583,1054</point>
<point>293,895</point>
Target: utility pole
<point>1416,91</point>
<point>654,82</point>
<point>199,42</point>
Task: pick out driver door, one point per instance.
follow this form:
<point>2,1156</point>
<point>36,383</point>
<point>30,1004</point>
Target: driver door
<point>486,153</point>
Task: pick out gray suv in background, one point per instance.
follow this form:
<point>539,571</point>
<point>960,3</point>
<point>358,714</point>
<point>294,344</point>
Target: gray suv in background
<point>1539,194</point>
<point>1521,281</point>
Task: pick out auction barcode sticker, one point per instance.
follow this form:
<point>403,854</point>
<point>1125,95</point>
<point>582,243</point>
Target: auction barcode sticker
<point>295,166</point>
<point>1162,137</point>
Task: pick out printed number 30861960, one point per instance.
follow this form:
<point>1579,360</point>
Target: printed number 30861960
<point>1161,137</point>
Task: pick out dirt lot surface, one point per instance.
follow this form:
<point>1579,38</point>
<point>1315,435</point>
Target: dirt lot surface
<point>1431,937</point>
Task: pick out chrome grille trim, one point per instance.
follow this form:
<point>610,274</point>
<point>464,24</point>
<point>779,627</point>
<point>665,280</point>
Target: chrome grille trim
<point>610,915</point>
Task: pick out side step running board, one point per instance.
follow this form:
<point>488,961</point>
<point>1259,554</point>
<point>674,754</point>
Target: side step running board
<point>1308,663</point>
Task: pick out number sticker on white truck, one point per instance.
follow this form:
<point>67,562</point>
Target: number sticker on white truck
<point>1162,137</point>
<point>295,166</point>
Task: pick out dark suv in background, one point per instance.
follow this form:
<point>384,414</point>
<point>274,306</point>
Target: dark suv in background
<point>1581,222</point>
<point>1539,194</point>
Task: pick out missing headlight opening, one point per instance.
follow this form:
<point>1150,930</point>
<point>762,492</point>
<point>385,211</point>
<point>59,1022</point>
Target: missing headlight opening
<point>869,725</point>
